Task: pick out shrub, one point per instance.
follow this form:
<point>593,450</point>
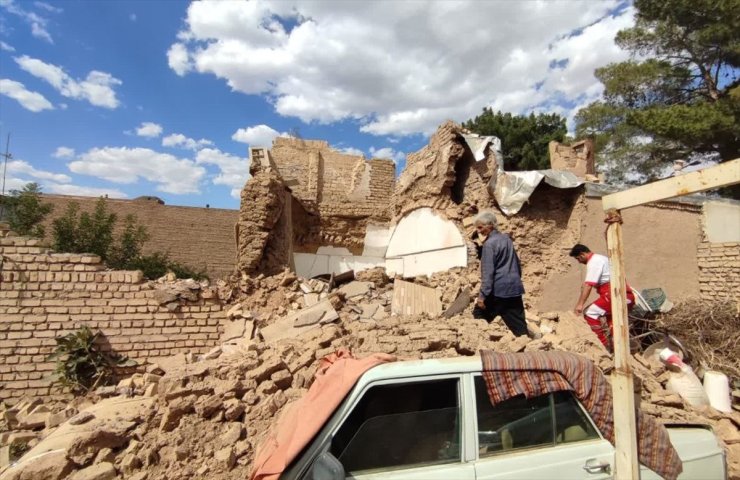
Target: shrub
<point>81,365</point>
<point>24,211</point>
<point>76,232</point>
<point>158,264</point>
<point>123,254</point>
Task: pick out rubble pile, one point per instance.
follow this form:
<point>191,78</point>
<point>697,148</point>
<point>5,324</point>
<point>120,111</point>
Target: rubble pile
<point>192,416</point>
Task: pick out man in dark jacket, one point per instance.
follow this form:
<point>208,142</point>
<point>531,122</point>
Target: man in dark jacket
<point>501,286</point>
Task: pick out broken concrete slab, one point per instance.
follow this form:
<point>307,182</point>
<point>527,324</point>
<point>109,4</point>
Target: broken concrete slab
<point>369,309</point>
<point>310,317</point>
<point>356,288</point>
<point>297,323</point>
<point>412,299</point>
<point>99,471</point>
<point>461,302</point>
<point>311,299</point>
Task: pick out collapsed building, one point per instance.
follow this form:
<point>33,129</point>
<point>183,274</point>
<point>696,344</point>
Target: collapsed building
<point>219,362</point>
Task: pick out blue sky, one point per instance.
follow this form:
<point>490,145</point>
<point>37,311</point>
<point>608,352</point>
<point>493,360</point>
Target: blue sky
<point>164,98</point>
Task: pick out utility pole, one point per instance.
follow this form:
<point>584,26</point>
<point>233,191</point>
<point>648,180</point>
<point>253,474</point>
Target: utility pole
<point>6,156</point>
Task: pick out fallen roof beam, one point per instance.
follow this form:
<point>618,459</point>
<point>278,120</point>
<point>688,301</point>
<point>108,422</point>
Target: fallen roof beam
<point>722,175</point>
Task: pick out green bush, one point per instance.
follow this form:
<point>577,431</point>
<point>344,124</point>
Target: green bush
<point>76,232</point>
<point>158,264</point>
<point>81,365</point>
<point>24,211</point>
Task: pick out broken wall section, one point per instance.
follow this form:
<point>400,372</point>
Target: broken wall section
<point>718,254</point>
<point>577,158</point>
<point>44,295</point>
<point>264,230</point>
<point>344,192</point>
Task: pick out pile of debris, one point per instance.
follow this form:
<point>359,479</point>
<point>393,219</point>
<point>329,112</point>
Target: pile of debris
<point>197,415</point>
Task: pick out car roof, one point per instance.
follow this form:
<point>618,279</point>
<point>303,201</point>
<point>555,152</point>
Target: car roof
<point>420,368</point>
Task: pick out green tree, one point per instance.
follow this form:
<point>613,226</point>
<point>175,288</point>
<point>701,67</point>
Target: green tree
<point>127,249</point>
<point>679,93</point>
<point>24,210</point>
<point>76,232</point>
<point>524,138</point>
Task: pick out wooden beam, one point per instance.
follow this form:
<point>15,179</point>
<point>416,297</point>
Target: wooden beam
<point>722,175</point>
<point>627,463</point>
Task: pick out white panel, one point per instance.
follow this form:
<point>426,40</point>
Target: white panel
<point>438,261</point>
<point>333,251</point>
<point>376,240</point>
<point>361,263</point>
<point>308,265</point>
<point>422,231</point>
<point>393,266</point>
<point>722,222</point>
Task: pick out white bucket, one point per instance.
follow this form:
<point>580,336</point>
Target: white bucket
<point>717,386</point>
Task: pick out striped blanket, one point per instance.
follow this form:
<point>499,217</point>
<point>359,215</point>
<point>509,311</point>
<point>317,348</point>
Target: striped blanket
<point>538,373</point>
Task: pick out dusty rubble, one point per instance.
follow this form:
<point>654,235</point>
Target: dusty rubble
<point>203,415</point>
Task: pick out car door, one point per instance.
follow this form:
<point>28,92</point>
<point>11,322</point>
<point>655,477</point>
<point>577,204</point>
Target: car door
<point>405,429</point>
<point>544,437</point>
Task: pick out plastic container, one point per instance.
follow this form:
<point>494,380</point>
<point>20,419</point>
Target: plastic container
<point>688,386</point>
<point>717,388</point>
<point>684,382</point>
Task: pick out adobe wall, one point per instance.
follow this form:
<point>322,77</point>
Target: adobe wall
<point>719,270</point>
<point>334,183</point>
<point>660,250</point>
<point>44,295</point>
<point>197,237</point>
<point>577,157</point>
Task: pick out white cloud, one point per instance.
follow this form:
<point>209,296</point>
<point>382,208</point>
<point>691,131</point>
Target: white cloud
<point>178,59</point>
<point>401,67</point>
<point>29,100</point>
<point>132,17</point>
<point>149,129</point>
<point>181,141</point>
<point>387,153</point>
<point>63,152</point>
<point>128,165</point>
<point>351,151</point>
<point>37,22</point>
<point>5,47</point>
<point>20,167</point>
<point>97,88</point>
<point>257,136</point>
<point>234,171</point>
<point>48,7</point>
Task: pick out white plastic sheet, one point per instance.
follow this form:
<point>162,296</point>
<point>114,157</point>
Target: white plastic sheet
<point>512,189</point>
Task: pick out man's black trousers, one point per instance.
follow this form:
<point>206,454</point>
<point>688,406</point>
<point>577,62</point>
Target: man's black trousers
<point>510,309</point>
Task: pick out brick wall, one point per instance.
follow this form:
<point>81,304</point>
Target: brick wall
<point>198,237</point>
<point>44,295</point>
<point>334,183</point>
<point>719,270</point>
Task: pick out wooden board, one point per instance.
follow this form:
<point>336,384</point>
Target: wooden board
<point>412,299</point>
<point>722,175</point>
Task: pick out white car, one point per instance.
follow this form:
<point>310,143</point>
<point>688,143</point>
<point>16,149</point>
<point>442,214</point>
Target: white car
<point>432,419</point>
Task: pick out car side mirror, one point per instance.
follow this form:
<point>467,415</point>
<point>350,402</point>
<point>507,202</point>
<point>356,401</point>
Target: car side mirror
<point>326,467</point>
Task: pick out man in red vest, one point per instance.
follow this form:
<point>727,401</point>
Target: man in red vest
<point>598,276</point>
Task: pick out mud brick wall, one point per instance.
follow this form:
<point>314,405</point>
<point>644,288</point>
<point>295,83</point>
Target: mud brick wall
<point>337,184</point>
<point>201,238</point>
<point>719,270</point>
<point>44,295</point>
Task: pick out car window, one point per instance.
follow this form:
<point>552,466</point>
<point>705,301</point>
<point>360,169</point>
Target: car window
<point>400,426</point>
<point>521,422</point>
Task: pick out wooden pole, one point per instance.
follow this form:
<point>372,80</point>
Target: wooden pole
<point>627,463</point>
<point>625,425</point>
